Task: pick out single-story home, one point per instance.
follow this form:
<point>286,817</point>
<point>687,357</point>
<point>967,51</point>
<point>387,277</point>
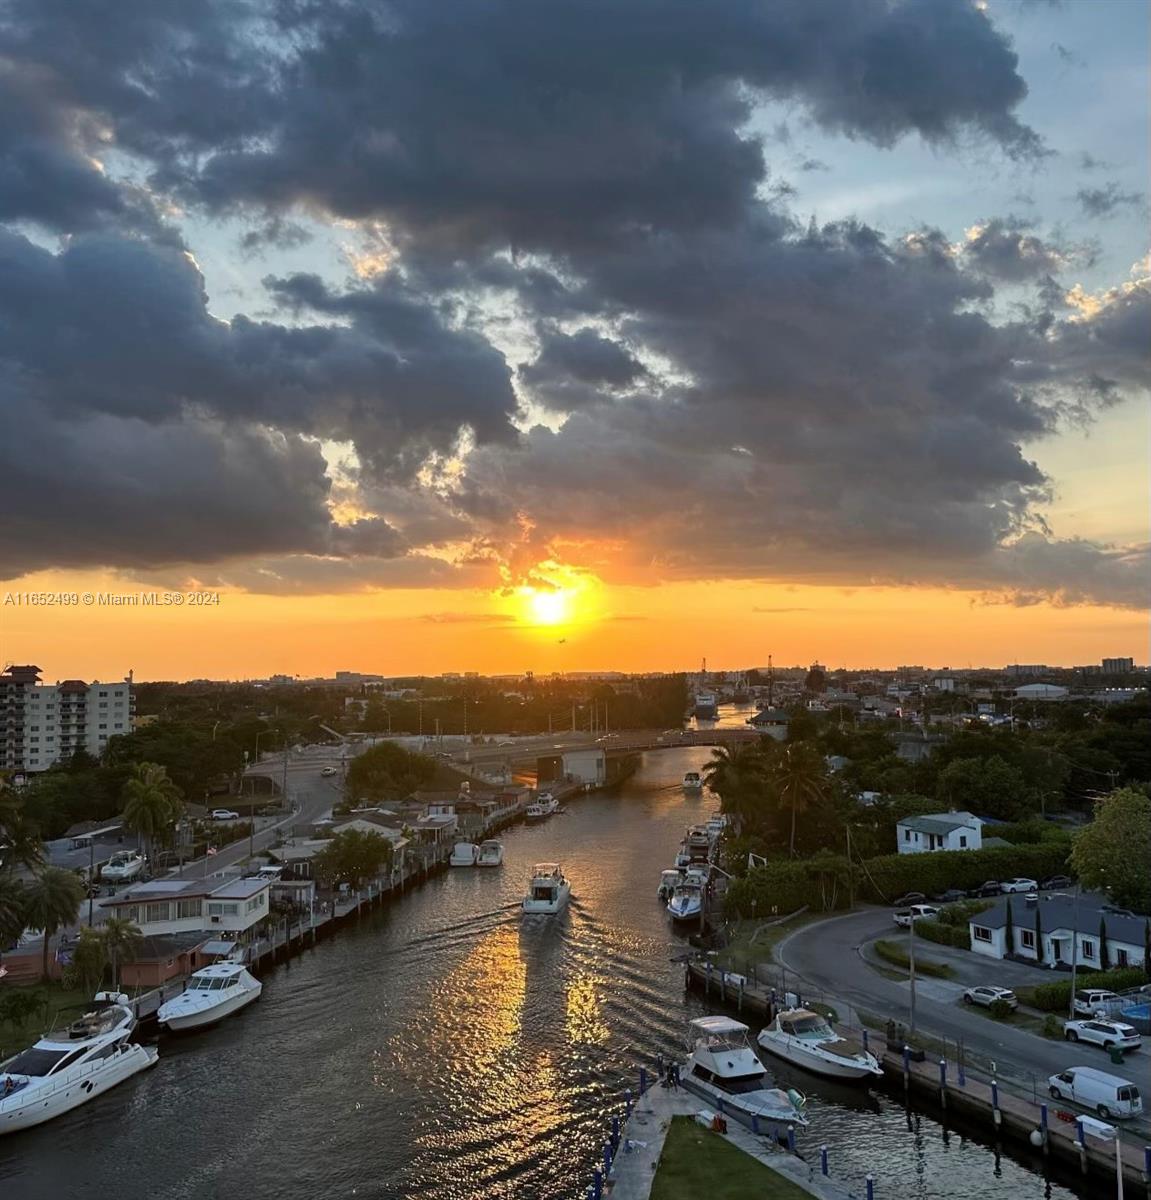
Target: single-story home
<point>158,959</point>
<point>1055,929</point>
<point>939,831</point>
<point>168,906</point>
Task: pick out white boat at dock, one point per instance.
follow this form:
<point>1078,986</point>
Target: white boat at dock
<point>723,1069</point>
<point>464,854</point>
<point>548,891</point>
<point>545,805</point>
<point>123,867</point>
<point>68,1068</point>
<point>692,781</point>
<point>698,843</point>
<point>212,994</point>
<point>807,1039</point>
<point>668,881</point>
<point>491,854</point>
<point>686,902</point>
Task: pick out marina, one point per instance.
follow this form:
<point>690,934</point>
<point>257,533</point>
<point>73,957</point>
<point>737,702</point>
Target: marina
<point>441,1045</point>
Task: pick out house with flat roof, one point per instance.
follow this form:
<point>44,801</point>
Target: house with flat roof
<point>169,906</point>
<point>1055,931</point>
<point>939,831</point>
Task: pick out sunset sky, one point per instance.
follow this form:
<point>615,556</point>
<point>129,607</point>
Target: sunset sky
<point>571,334</point>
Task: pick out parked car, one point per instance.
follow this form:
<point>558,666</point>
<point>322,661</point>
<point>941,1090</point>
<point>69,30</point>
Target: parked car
<point>327,771</point>
<point>951,896</point>
<point>224,814</point>
<point>1090,1001</point>
<point>909,898</point>
<point>1103,1033</point>
<point>987,995</point>
<point>917,912</point>
<point>990,888</point>
<point>1109,1095</point>
<point>1057,881</point>
<point>1018,885</point>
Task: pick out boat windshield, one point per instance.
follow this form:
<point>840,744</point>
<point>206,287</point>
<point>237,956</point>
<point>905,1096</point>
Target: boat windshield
<point>206,983</point>
<point>717,1043</point>
<point>34,1062</point>
<point>742,1083</point>
<point>806,1027</point>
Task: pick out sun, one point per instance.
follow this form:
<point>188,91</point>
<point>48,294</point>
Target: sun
<point>549,607</point>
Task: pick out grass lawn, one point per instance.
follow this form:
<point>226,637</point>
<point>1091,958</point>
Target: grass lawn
<point>697,1163</point>
<point>896,954</point>
<point>55,998</point>
<point>754,941</point>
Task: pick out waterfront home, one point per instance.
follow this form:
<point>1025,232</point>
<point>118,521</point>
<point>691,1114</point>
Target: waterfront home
<point>1054,930</point>
<point>167,906</point>
<point>157,959</point>
<point>939,831</point>
<point>772,721</point>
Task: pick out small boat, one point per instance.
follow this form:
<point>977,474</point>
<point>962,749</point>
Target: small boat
<point>464,854</point>
<point>548,892</point>
<point>545,805</point>
<point>682,857</point>
<point>122,867</point>
<point>212,994</point>
<point>698,843</point>
<point>807,1039</point>
<point>686,902</point>
<point>491,854</point>
<point>724,1069</point>
<point>68,1068</point>
<point>716,826</point>
<point>668,882</point>
<point>692,781</point>
<point>706,706</point>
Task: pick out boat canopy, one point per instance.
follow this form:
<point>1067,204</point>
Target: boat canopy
<point>546,869</point>
<point>718,1026</point>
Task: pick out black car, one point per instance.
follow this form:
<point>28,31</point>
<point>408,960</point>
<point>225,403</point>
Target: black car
<point>990,888</point>
<point>1057,881</point>
<point>909,898</point>
<point>951,896</point>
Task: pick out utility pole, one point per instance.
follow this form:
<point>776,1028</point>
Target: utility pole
<point>850,887</point>
<point>1074,950</point>
<point>911,963</point>
<point>91,877</point>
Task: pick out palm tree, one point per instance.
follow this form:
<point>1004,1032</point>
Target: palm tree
<point>13,903</point>
<point>121,940</point>
<point>801,777</point>
<point>739,775</point>
<point>53,900</point>
<point>151,803</point>
<point>18,838</point>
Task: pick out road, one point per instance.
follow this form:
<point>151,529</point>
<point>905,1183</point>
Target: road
<point>828,954</point>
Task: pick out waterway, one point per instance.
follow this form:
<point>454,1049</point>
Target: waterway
<point>445,1048</point>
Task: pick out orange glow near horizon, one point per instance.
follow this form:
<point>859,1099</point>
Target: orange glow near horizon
<point>665,628</point>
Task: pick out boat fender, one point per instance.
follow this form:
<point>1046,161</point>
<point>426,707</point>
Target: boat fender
<point>798,1099</point>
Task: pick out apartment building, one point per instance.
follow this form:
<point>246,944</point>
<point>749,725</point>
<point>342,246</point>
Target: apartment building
<point>40,723</point>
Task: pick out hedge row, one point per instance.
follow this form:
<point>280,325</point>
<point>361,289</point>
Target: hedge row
<point>895,954</point>
<point>1056,997</point>
<point>821,883</point>
<point>945,935</point>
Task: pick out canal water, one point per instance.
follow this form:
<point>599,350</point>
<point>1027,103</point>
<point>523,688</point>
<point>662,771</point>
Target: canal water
<point>445,1048</point>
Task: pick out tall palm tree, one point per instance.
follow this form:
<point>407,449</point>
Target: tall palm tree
<point>122,939</point>
<point>151,803</point>
<point>53,900</point>
<point>801,778</point>
<point>739,775</point>
<point>13,903</point>
<point>19,842</point>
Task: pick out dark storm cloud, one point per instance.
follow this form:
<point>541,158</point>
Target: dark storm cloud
<point>1005,249</point>
<point>574,370</point>
<point>1106,201</point>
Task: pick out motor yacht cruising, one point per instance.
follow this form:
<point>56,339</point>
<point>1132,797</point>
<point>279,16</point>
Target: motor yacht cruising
<point>548,891</point>
<point>692,781</point>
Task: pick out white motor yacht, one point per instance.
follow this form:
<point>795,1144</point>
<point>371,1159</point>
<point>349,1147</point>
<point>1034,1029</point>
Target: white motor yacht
<point>549,891</point>
<point>464,854</point>
<point>686,902</point>
<point>682,857</point>
<point>545,805</point>
<point>724,1069</point>
<point>668,882</point>
<point>212,994</point>
<point>69,1067</point>
<point>491,854</point>
<point>717,825</point>
<point>692,781</point>
<point>122,867</point>
<point>807,1039</point>
<point>698,843</point>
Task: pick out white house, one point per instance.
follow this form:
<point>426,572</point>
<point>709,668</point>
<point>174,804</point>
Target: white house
<point>167,906</point>
<point>1054,929</point>
<point>939,831</point>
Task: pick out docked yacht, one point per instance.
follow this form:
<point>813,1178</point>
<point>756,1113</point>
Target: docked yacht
<point>212,994</point>
<point>698,843</point>
<point>724,1069</point>
<point>686,902</point>
<point>692,781</point>
<point>548,892</point>
<point>491,854</point>
<point>464,854</point>
<point>717,825</point>
<point>67,1068</point>
<point>807,1039</point>
<point>545,805</point>
<point>668,881</point>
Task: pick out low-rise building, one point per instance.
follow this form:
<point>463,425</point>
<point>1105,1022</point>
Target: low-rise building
<point>1041,691</point>
<point>1056,931</point>
<point>169,906</point>
<point>939,831</point>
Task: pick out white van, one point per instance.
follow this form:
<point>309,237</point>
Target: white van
<point>1108,1095</point>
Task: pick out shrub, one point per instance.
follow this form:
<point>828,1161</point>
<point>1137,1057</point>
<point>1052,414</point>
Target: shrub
<point>945,935</point>
<point>1000,1009</point>
<point>1056,997</point>
<point>891,875</point>
<point>895,954</point>
<point>1052,1027</point>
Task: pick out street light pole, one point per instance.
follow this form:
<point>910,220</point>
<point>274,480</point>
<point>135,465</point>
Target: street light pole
<point>911,963</point>
<point>1074,950</point>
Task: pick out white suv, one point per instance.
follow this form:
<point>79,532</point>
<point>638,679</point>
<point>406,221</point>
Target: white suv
<point>916,912</point>
<point>1089,1001</point>
<point>1103,1033</point>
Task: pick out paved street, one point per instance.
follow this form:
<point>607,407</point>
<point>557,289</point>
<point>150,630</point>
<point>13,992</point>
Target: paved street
<point>828,955</point>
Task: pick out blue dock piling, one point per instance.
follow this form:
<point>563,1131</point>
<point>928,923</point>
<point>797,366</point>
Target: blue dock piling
<point>871,1187</point>
<point>615,1129</point>
<point>823,1159</point>
<point>642,1080</point>
<point>597,1184</point>
<point>791,1139</point>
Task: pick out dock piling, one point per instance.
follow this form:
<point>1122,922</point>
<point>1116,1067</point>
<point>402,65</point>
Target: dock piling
<point>996,1112</point>
<point>597,1184</point>
<point>1043,1125</point>
<point>871,1187</point>
<point>823,1160</point>
<point>642,1080</point>
<point>791,1139</point>
<point>943,1082</point>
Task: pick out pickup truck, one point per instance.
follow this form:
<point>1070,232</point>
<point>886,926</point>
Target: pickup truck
<point>907,916</point>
